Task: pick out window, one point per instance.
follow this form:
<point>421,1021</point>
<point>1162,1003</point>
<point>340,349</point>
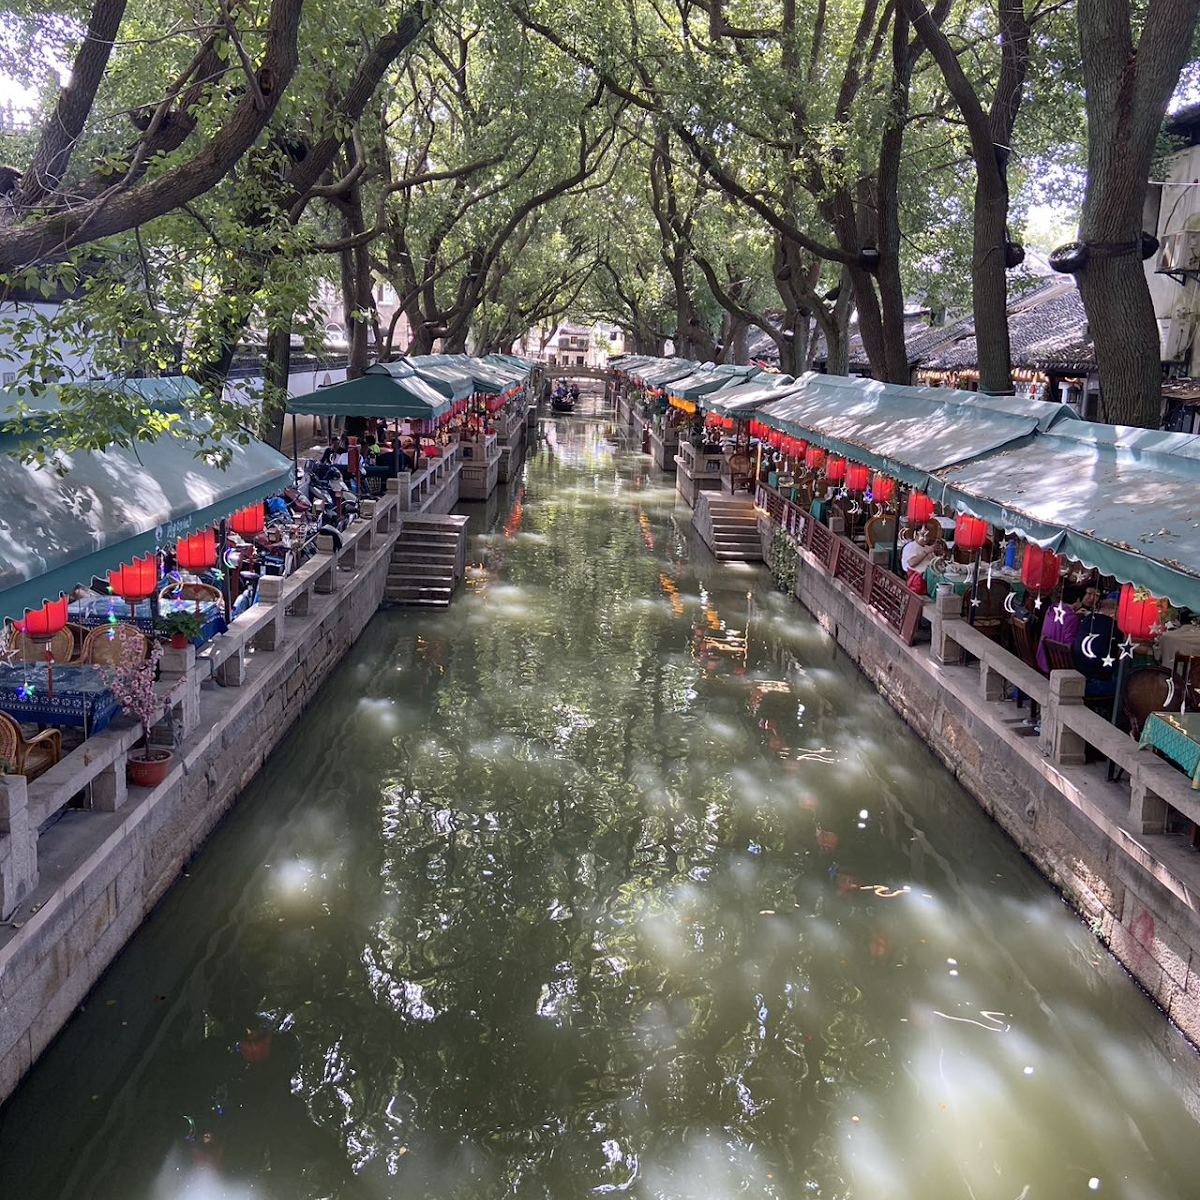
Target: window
<point>579,360</point>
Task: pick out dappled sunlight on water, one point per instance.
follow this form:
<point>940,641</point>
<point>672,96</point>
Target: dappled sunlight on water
<point>614,878</point>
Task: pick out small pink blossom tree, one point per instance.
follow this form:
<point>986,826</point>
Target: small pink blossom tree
<point>132,682</point>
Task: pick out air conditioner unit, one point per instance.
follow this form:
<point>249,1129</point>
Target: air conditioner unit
<point>1175,339</point>
<point>1179,253</point>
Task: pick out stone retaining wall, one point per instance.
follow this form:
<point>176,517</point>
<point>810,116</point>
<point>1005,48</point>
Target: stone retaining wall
<point>1139,891</point>
<point>101,872</point>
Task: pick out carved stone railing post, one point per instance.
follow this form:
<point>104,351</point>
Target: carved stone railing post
<point>18,845</point>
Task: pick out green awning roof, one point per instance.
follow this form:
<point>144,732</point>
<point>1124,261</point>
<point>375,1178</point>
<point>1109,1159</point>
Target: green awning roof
<point>658,373</point>
<point>709,379</point>
<point>742,399</point>
<point>1125,501</point>
<point>446,374</point>
<point>60,530</point>
<point>907,432</point>
<point>376,394</point>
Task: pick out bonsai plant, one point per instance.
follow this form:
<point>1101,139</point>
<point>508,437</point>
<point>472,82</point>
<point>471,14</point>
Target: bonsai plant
<point>181,626</point>
<point>132,682</point>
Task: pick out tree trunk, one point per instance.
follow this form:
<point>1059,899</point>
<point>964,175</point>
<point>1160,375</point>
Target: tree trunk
<point>989,284</point>
<point>1127,91</point>
<point>275,379</point>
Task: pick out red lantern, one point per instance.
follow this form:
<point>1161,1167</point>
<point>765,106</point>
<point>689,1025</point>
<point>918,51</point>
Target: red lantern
<point>197,551</point>
<point>857,477</point>
<point>799,449</point>
<point>883,488</point>
<point>835,469</point>
<point>134,582</point>
<point>728,423</point>
<point>814,458</point>
<point>969,532</point>
<point>920,508</point>
<point>46,621</point>
<point>1137,612</point>
<point>248,522</point>
<point>775,438</point>
<point>1040,569</point>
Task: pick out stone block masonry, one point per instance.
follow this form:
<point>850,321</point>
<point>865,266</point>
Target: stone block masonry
<point>1101,843</point>
<point>83,887</point>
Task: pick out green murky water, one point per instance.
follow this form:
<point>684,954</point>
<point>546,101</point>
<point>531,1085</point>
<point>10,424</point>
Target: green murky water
<point>616,877</point>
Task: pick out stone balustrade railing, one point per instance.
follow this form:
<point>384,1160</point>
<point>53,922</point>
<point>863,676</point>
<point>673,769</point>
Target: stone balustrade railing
<point>417,491</point>
<point>93,775</point>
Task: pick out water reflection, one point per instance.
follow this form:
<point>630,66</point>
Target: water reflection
<point>614,878</point>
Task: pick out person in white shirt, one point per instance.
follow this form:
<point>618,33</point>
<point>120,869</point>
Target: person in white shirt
<point>916,557</point>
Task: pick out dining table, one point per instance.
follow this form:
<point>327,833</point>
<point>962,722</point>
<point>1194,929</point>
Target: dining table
<point>93,611</point>
<point>1176,736</point>
<point>79,695</point>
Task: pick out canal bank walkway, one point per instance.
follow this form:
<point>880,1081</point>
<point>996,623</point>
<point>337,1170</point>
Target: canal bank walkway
<point>617,876</point>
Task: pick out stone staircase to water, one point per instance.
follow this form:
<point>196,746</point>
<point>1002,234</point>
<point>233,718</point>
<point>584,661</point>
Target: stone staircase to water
<point>728,526</point>
<point>428,560</point>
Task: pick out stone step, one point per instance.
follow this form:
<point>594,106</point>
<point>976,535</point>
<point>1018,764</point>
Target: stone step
<point>401,573</point>
<point>417,602</point>
<point>413,591</point>
<point>433,537</point>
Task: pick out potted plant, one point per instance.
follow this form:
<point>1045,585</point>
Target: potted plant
<point>182,627</point>
<point>132,682</point>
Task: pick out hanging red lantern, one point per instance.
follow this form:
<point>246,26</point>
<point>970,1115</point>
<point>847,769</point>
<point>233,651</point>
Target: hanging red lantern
<point>197,551</point>
<point>969,532</point>
<point>134,581</point>
<point>835,468</point>
<point>249,521</point>
<point>883,488</point>
<point>1041,569</point>
<point>920,508</point>
<point>814,458</point>
<point>1137,613</point>
<point>799,448</point>
<point>857,477</point>
<point>43,623</point>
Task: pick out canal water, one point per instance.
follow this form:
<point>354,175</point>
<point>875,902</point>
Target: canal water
<point>615,877</point>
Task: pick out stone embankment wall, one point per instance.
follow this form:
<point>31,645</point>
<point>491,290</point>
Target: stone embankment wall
<point>85,885</point>
<point>1101,842</point>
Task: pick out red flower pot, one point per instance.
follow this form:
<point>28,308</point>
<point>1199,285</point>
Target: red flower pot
<point>179,641</point>
<point>150,769</point>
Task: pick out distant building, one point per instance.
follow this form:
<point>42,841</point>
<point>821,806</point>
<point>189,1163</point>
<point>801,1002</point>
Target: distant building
<point>332,306</point>
<point>569,344</point>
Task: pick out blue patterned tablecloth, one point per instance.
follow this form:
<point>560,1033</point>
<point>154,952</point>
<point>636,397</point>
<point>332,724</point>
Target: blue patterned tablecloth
<point>95,611</point>
<point>1175,736</point>
<point>81,696</point>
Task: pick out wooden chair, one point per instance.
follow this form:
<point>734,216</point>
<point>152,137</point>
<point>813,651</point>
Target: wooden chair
<point>1025,641</point>
<point>29,757</point>
<point>1059,655</point>
<point>990,614</point>
<point>1148,690</point>
<point>27,649</point>
<point>880,531</point>
<point>103,645</point>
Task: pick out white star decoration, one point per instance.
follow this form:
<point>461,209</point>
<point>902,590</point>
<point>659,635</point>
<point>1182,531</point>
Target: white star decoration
<point>1107,661</point>
<point>1127,647</point>
<point>1059,612</point>
<point>976,602</point>
<point>1079,577</point>
<point>1155,629</point>
<point>1037,602</point>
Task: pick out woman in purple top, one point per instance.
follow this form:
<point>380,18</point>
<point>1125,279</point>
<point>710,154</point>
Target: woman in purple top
<point>1062,621</point>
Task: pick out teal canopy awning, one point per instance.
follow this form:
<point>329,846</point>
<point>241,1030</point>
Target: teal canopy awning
<point>701,382</point>
<point>381,392</point>
<point>1122,500</point>
<point>448,374</point>
<point>659,373</point>
<point>907,432</point>
<point>60,530</point>
<point>742,399</point>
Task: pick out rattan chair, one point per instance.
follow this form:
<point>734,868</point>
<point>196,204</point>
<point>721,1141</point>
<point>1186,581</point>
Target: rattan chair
<point>78,637</point>
<point>27,649</point>
<point>880,531</point>
<point>29,757</point>
<point>103,645</point>
<point>202,593</point>
<point>990,611</point>
<point>1025,641</point>
<point>1059,655</point>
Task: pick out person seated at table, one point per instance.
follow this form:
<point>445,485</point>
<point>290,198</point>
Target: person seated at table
<point>335,447</point>
<point>916,557</point>
<point>1062,621</point>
